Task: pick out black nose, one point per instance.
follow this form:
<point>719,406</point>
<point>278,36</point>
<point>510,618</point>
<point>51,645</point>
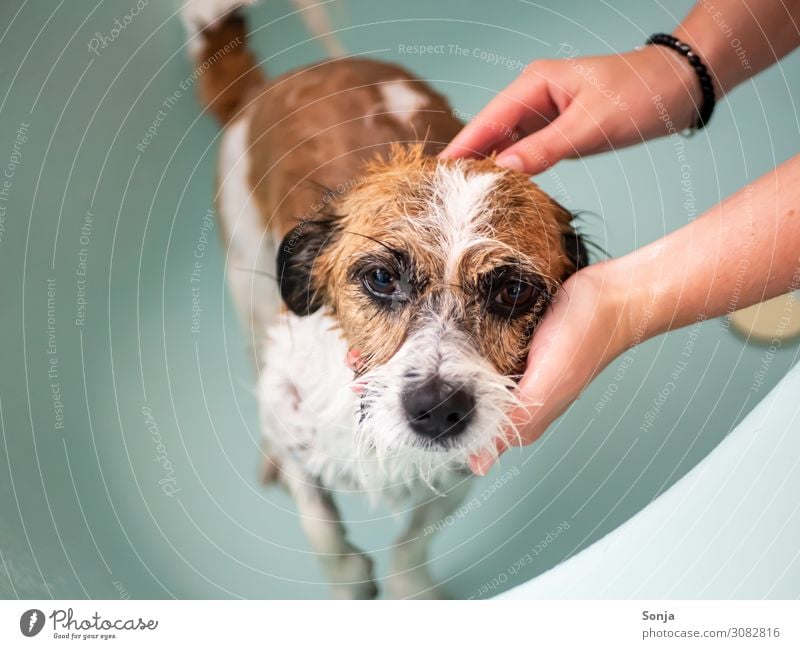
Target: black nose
<point>437,410</point>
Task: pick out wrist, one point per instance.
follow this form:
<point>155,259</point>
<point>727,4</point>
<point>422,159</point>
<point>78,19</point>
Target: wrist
<point>676,92</point>
<point>706,48</point>
<point>632,297</point>
<point>705,107</point>
<point>620,306</point>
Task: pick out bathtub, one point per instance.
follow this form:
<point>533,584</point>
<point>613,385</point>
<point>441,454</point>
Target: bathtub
<point>130,452</point>
<point>728,529</point>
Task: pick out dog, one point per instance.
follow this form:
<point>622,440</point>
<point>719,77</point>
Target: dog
<point>390,297</point>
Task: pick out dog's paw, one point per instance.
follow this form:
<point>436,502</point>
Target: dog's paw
<point>362,590</point>
<point>352,575</point>
<point>413,584</point>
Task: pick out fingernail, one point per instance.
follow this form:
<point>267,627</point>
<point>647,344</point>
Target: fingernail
<point>511,161</point>
<point>351,359</point>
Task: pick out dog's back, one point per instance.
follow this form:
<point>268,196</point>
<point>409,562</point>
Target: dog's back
<point>310,130</point>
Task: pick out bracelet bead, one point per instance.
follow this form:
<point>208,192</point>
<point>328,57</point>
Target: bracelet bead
<point>704,78</point>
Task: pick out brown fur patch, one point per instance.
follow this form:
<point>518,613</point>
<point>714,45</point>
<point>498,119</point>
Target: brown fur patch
<point>314,129</point>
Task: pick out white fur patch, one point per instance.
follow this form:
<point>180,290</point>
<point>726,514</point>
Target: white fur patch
<point>310,413</point>
<point>439,348</point>
<point>307,407</point>
<point>250,250</point>
<point>199,14</point>
<point>401,100</point>
<point>459,203</point>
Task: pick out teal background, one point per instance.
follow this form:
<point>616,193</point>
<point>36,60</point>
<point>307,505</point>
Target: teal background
<point>82,513</point>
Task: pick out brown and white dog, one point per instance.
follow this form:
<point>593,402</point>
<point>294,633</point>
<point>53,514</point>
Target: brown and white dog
<point>429,275</point>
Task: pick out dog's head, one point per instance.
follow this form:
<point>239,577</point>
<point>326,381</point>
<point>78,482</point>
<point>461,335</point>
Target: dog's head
<point>437,272</point>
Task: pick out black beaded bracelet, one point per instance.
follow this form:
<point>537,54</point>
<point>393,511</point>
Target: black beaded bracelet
<point>706,84</point>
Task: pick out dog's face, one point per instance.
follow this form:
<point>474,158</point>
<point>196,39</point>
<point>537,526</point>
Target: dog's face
<point>437,273</point>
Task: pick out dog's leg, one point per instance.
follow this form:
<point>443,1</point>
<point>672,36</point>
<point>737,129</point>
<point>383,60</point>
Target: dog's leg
<point>409,578</point>
<point>270,466</point>
<point>349,570</point>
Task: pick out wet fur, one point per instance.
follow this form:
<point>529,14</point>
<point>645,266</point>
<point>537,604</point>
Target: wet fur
<point>324,171</point>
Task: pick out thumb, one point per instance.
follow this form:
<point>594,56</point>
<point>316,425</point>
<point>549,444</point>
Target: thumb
<point>525,425</point>
<point>565,136</point>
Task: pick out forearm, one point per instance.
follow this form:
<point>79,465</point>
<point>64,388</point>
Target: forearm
<point>742,251</point>
<point>739,38</point>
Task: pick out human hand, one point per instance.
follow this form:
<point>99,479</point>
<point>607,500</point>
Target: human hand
<point>571,107</point>
<point>586,327</point>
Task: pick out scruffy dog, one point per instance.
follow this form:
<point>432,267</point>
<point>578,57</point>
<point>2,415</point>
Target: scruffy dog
<point>407,292</point>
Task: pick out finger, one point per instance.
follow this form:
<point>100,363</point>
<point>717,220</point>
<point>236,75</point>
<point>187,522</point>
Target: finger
<point>526,102</point>
<point>481,135</point>
<point>526,424</point>
<point>353,362</point>
<point>528,420</point>
<point>525,428</point>
<point>568,135</point>
<point>353,359</point>
<point>544,394</point>
<point>528,124</point>
<point>503,144</point>
<point>523,418</point>
<point>481,462</point>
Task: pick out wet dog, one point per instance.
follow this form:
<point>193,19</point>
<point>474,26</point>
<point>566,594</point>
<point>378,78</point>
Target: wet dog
<point>393,295</point>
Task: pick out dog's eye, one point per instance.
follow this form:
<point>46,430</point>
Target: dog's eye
<point>380,282</point>
<point>515,294</point>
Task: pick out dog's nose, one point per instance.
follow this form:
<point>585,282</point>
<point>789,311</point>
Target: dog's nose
<point>437,410</point>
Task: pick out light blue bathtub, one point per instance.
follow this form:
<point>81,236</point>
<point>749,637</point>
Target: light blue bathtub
<point>730,528</point>
<point>137,476</point>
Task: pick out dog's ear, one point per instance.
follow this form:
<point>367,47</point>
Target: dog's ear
<point>575,249</point>
<point>572,240</point>
<point>297,255</point>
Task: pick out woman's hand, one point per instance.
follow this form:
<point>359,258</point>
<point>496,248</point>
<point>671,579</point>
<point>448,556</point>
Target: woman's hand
<point>571,107</point>
<point>691,274</point>
<point>575,106</point>
<point>586,327</point>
